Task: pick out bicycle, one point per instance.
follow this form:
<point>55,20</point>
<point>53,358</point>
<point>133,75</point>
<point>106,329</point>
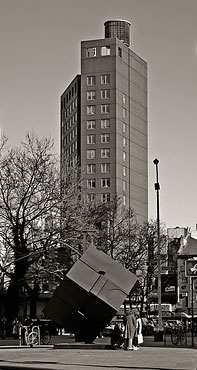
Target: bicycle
<point>33,336</point>
<point>178,336</point>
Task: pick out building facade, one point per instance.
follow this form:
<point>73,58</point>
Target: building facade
<point>104,120</point>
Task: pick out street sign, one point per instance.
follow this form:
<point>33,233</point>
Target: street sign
<point>191,268</point>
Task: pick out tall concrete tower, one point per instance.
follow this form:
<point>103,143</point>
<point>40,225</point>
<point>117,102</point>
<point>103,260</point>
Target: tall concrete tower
<point>104,120</point>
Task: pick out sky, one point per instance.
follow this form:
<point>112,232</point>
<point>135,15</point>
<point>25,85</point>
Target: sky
<point>40,55</point>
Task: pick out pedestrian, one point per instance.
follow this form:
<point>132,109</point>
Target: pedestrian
<point>3,327</point>
<point>130,329</point>
<point>116,338</point>
<point>138,333</point>
<point>15,327</point>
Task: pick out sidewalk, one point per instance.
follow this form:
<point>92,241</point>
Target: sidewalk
<point>153,355</point>
<point>146,358</point>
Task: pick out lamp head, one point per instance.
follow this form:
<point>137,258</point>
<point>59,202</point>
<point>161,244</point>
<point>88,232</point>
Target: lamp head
<point>156,161</point>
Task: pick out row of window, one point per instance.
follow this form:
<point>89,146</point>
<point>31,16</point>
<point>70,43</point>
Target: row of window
<point>105,197</point>
<point>91,124</point>
<point>72,148</point>
<point>105,79</point>
<point>71,108</point>
<point>105,138</point>
<point>69,95</point>
<point>105,168</point>
<point>105,94</point>
<point>103,51</point>
<point>104,153</point>
<point>91,139</point>
<point>91,183</point>
<point>91,109</point>
<point>104,123</point>
<point>71,121</point>
<point>71,136</point>
<point>105,183</point>
<point>104,109</point>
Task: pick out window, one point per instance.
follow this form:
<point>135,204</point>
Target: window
<point>105,94</point>
<point>91,168</point>
<point>91,183</point>
<point>90,52</point>
<point>105,197</point>
<point>124,98</point>
<point>76,102</point>
<point>105,108</point>
<point>124,185</point>
<point>124,156</point>
<point>124,127</point>
<point>91,109</point>
<point>120,52</point>
<point>105,153</point>
<point>124,171</point>
<point>91,197</point>
<point>91,80</point>
<point>124,200</point>
<point>75,116</point>
<point>105,123</point>
<point>124,113</point>
<point>91,139</point>
<point>105,138</point>
<point>124,141</point>
<point>105,167</point>
<point>91,95</point>
<point>105,183</point>
<point>91,154</point>
<point>91,125</point>
<point>105,79</point>
<point>105,50</point>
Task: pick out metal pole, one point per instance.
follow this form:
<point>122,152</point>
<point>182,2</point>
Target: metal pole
<point>192,281</point>
<point>157,188</point>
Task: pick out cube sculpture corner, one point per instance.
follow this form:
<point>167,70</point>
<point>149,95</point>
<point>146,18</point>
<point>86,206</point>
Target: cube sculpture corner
<point>90,295</point>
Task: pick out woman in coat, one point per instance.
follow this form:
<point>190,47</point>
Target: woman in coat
<point>130,328</point>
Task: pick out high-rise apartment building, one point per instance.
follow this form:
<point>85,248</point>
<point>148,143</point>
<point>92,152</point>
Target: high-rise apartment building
<point>104,120</point>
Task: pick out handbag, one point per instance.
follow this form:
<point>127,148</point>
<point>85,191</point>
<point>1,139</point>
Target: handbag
<point>140,338</point>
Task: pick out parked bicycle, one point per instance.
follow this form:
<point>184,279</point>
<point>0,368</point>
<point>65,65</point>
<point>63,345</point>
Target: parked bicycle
<point>179,335</point>
<point>34,335</point>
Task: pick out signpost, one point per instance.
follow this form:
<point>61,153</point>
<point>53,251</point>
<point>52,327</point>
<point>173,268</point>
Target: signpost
<point>191,272</point>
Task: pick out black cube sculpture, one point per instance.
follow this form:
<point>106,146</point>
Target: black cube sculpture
<point>90,295</point>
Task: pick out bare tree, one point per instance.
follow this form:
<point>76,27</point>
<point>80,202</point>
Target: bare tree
<point>29,194</point>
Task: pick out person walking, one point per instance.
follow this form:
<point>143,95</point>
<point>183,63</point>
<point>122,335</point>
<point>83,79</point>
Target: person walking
<point>130,329</point>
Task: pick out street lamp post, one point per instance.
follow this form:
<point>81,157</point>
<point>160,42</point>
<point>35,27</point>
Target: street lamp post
<point>157,188</point>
